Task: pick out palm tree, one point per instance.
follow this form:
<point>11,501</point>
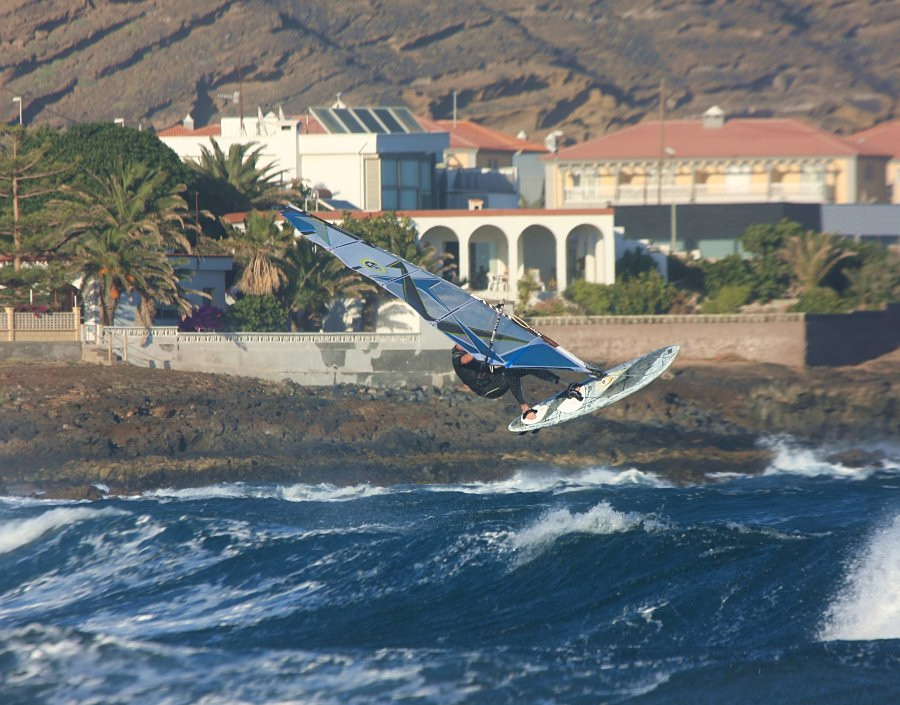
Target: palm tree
<point>236,181</point>
<point>126,225</point>
<point>811,255</point>
<point>262,250</point>
<point>876,281</point>
<point>317,280</point>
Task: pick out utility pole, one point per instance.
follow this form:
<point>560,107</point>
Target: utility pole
<point>662,139</point>
<point>241,97</point>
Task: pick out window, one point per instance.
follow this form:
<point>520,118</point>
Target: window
<point>406,182</point>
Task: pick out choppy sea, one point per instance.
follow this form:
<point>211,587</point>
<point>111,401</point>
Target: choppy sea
<point>590,586</point>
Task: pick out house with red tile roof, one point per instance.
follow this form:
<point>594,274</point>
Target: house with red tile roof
<point>477,149</point>
<point>884,138</point>
<point>716,160</point>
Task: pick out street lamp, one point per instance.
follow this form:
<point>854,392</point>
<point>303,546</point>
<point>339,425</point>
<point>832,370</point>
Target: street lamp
<point>18,99</point>
<point>673,217</point>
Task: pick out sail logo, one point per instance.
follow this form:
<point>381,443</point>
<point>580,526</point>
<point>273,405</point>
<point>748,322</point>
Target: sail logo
<point>372,265</point>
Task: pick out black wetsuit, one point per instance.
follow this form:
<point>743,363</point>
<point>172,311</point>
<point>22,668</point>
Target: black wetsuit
<point>491,381</point>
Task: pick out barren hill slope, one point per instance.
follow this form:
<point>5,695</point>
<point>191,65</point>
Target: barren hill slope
<point>533,65</point>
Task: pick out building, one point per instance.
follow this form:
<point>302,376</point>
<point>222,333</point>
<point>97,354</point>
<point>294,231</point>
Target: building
<point>480,159</point>
<point>869,221</point>
<point>716,160</point>
<point>205,274</point>
<point>884,138</point>
<point>372,158</point>
<point>277,136</point>
<point>495,249</point>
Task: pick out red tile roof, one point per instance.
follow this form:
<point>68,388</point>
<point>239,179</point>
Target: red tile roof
<point>466,134</point>
<point>884,137</point>
<point>739,138</point>
<point>182,131</point>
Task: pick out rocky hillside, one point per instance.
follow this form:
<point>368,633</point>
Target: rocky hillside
<point>535,65</point>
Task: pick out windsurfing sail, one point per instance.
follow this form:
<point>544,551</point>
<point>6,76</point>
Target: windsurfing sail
<point>486,331</point>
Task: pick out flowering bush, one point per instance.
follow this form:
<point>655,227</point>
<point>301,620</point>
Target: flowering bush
<point>205,318</point>
<point>37,309</point>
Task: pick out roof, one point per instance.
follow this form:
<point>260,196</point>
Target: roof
<point>884,137</point>
<point>180,130</point>
<point>465,134</point>
<point>379,120</point>
<point>736,138</point>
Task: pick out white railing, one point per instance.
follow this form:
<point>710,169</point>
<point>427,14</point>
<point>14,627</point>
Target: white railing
<point>699,193</point>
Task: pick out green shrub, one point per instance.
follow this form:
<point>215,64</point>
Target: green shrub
<point>728,299</point>
<point>551,307</point>
<point>593,299</point>
<point>263,314</point>
<point>819,300</point>
<point>643,294</point>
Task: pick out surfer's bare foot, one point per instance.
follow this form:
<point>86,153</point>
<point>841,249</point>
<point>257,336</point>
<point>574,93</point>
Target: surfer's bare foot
<point>529,414</point>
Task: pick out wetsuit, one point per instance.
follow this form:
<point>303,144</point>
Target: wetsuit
<point>492,381</point>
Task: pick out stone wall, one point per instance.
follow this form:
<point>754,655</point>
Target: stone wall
<point>773,338</point>
<point>848,339</point>
<point>313,359</point>
<point>421,358</point>
<point>47,351</point>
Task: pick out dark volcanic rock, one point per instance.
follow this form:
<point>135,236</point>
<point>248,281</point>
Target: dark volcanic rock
<point>64,428</point>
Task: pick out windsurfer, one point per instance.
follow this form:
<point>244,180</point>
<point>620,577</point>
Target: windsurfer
<point>493,381</point>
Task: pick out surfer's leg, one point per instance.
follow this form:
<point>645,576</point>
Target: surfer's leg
<point>515,387</point>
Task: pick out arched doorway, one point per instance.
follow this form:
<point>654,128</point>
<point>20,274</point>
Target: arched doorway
<point>537,256</point>
<point>585,257</point>
<point>488,258</point>
<point>446,245</point>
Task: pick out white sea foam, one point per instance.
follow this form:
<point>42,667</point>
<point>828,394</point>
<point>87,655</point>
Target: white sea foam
<point>19,532</point>
<point>329,493</point>
<point>600,519</point>
<point>868,607</point>
<point>292,493</point>
<point>557,481</point>
<point>523,481</point>
<point>793,459</point>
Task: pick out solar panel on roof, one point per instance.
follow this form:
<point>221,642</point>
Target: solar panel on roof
<point>326,117</point>
<point>349,119</point>
<point>369,119</point>
<point>396,120</point>
<point>405,116</point>
<point>389,120</point>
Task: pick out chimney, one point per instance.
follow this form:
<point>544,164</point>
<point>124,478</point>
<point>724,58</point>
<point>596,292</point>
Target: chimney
<point>188,122</point>
<point>714,118</point>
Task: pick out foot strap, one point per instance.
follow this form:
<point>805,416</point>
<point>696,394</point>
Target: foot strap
<point>574,392</point>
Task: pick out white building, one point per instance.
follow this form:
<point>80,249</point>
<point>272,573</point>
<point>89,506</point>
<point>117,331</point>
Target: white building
<point>369,158</point>
<point>494,249</point>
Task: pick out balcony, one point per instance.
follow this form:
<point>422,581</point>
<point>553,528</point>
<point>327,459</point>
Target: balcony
<point>626,195</point>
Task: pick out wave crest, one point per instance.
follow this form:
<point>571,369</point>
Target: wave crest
<point>869,605</point>
<point>20,532</point>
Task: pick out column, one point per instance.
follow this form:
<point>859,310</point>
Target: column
<point>463,263</point>
<point>561,265</point>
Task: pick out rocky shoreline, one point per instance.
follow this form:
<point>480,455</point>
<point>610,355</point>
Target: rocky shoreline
<point>80,430</point>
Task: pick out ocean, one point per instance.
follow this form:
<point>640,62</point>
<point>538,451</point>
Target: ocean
<point>578,586</point>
